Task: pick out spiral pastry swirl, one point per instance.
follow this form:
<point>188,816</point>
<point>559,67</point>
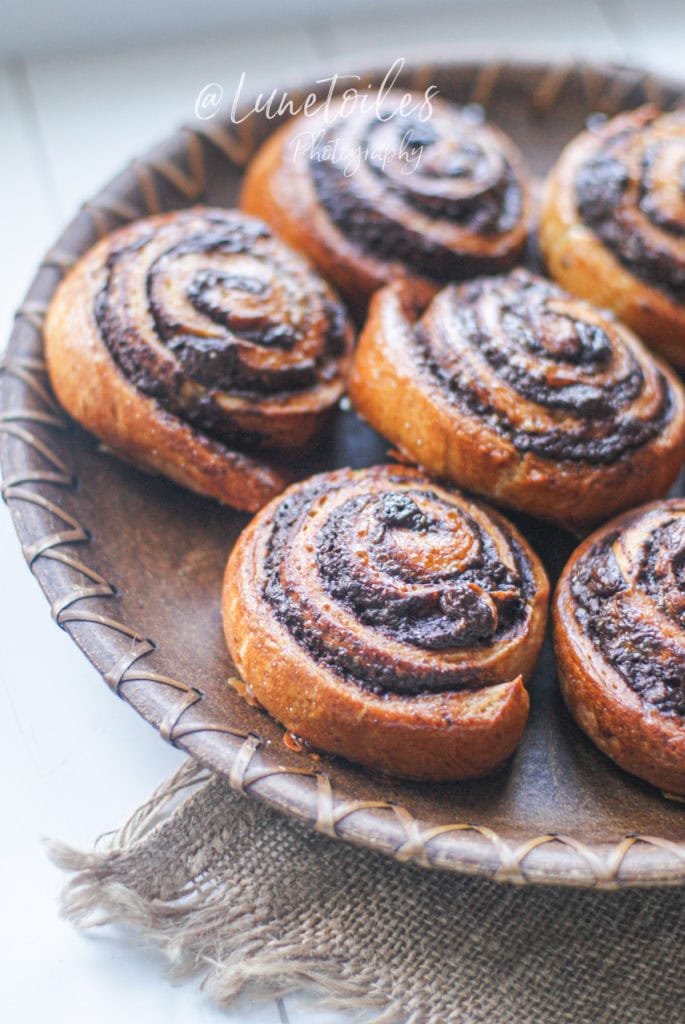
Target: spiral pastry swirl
<point>515,389</point>
<point>226,331</point>
<point>620,640</point>
<point>613,223</point>
<point>392,189</point>
<point>386,592</point>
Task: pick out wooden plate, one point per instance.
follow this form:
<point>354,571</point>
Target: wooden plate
<point>132,565</point>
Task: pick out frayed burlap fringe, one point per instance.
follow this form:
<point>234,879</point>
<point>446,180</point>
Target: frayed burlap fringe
<point>259,905</point>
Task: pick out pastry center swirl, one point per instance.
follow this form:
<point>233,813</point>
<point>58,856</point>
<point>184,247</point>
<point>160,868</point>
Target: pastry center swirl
<point>387,586</point>
<point>210,307</point>
<point>631,192</point>
<point>388,180</point>
<point>630,594</point>
<point>544,370</point>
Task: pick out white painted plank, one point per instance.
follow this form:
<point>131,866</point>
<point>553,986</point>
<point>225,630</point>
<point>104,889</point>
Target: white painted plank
<point>652,34</point>
<point>97,110</point>
<point>94,112</point>
<point>27,220</point>
<point>76,762</point>
<point>536,28</point>
<point>39,26</point>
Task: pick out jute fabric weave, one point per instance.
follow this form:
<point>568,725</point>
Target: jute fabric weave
<point>255,903</point>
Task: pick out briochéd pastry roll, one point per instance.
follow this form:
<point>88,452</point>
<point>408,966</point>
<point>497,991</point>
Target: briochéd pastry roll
<point>619,637</point>
<point>384,617</point>
<point>420,189</point>
<point>612,224</point>
<point>516,390</point>
<point>197,345</point>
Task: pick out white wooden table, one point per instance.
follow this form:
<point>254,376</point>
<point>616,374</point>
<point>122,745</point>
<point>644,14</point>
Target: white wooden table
<point>68,123</point>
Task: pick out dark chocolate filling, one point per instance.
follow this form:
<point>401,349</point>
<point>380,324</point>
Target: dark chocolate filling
<point>215,358</point>
<point>601,185</point>
<point>652,664</point>
<point>493,208</point>
<point>480,606</point>
<point>602,433</point>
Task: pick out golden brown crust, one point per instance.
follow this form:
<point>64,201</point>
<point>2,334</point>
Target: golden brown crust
<point>141,327</point>
<point>90,386</point>
<point>515,443</point>
<point>299,649</point>
<point>582,262</point>
<point>366,228</point>
<point>630,727</point>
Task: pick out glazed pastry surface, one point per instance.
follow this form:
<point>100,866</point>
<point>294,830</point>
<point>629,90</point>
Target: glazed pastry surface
<point>402,613</point>
<point>620,641</point>
<point>197,343</point>
<point>517,390</point>
<point>375,194</point>
<point>613,223</point>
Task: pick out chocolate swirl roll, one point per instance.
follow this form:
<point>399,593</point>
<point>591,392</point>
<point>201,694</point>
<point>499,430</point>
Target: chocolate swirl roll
<point>397,186</point>
<point>613,223</point>
<point>379,615</point>
<point>620,641</point>
<point>196,343</point>
<point>513,388</point>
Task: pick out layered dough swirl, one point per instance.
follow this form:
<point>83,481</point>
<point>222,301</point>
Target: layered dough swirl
<point>420,190</point>
<point>514,389</point>
<point>620,641</point>
<point>197,344</point>
<point>613,223</point>
<point>381,616</point>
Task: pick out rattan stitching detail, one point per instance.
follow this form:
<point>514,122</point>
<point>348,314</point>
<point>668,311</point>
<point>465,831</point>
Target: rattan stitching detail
<point>33,311</point>
<point>106,213</point>
<point>191,730</point>
<point>191,185</point>
<point>664,844</point>
<point>176,711</point>
<point>594,864</point>
<point>621,88</point>
<point>617,856</point>
<point>328,816</point>
<point>241,764</point>
<point>593,85</point>
<point>32,416</point>
<point>325,806</point>
<point>423,77</point>
<point>74,563</point>
<point>511,868</point>
<point>414,846</point>
<point>549,88</point>
<point>78,594</point>
<point>11,429</point>
<point>344,810</point>
<point>58,258</point>
<point>236,144</point>
<point>25,369</point>
<point>122,672</point>
<point>116,208</point>
<point>147,186</point>
<point>99,586</point>
<point>652,90</point>
<point>115,677</point>
<point>485,83</point>
<point>75,534</point>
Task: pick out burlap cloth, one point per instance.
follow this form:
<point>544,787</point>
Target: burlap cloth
<point>256,903</point>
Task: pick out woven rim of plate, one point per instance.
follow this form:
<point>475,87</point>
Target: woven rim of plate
<point>32,473</point>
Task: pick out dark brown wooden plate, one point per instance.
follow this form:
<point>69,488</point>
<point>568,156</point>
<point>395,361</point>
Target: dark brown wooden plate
<point>132,565</point>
